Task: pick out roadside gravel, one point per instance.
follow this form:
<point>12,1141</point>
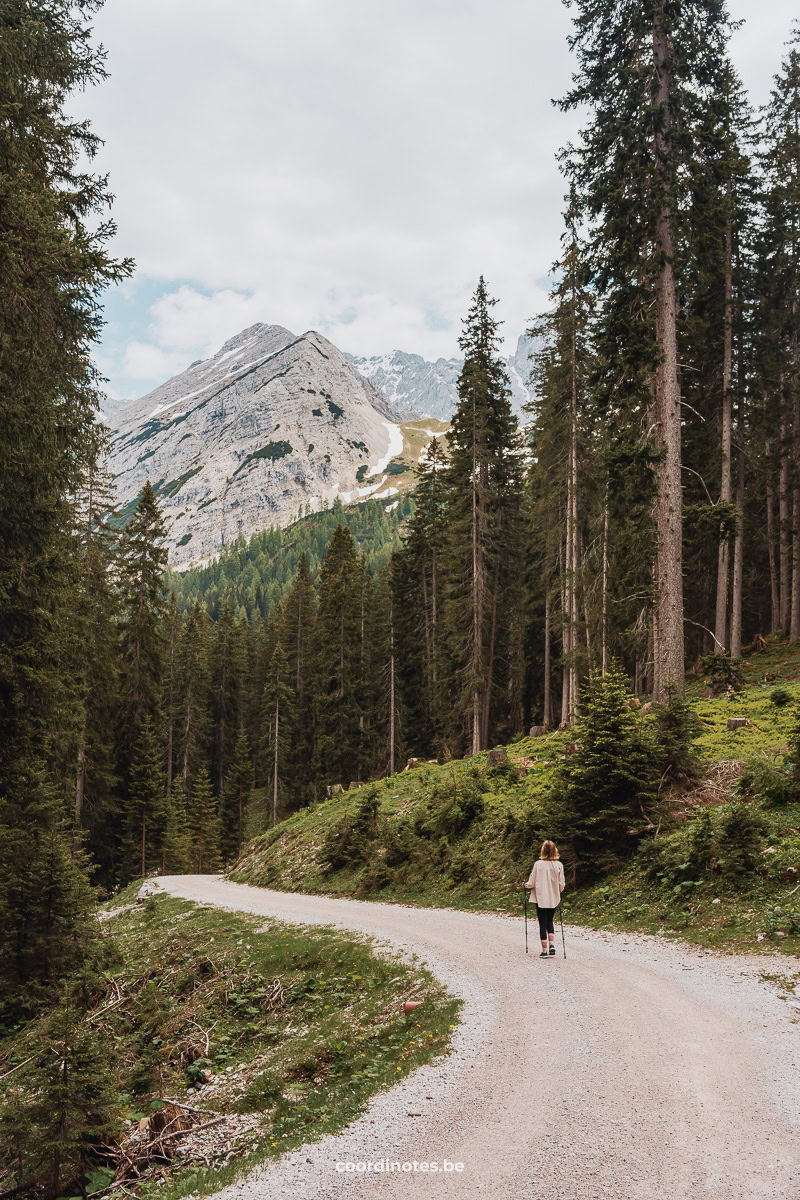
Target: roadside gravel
<point>636,1069</point>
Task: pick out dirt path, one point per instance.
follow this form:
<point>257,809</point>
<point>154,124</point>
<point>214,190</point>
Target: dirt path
<point>635,1069</point>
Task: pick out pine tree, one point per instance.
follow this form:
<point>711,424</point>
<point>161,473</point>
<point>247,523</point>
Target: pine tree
<point>277,722</point>
<point>146,809</point>
<point>781,166</point>
<point>386,708</point>
<point>601,787</point>
<point>143,559</point>
<point>226,667</point>
<point>66,1103</point>
<point>337,702</point>
<point>484,485</point>
<point>96,675</point>
<point>53,238</point>
<point>193,723</point>
<point>176,844</point>
<point>239,783</point>
<point>299,619</point>
<point>206,834</point>
<point>558,506</point>
<point>641,70</point>
<point>418,597</point>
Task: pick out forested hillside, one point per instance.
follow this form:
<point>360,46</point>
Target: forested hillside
<point>253,575</point>
<point>641,523</point>
<point>679,819</point>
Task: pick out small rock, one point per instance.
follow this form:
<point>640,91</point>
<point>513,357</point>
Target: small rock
<point>717,901</point>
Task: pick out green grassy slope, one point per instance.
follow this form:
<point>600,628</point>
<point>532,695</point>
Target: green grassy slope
<point>462,836</point>
<point>273,1034</point>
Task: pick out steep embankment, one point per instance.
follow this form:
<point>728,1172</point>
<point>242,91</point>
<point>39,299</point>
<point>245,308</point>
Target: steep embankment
<point>229,1040</point>
<point>463,834</point>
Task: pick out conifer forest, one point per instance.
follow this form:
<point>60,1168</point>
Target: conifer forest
<point>642,517</point>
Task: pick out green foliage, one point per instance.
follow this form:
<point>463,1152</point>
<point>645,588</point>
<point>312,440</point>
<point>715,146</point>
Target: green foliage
<point>55,1114</point>
<point>677,728</point>
<point>768,781</point>
<point>54,236</point>
<point>601,788</point>
<point>780,696</point>
<point>723,672</point>
<point>257,573</point>
<point>741,839</point>
<point>205,826</point>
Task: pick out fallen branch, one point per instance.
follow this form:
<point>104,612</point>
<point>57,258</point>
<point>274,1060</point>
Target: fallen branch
<point>24,1063</point>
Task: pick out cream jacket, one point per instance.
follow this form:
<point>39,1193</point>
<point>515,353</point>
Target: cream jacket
<point>546,882</point>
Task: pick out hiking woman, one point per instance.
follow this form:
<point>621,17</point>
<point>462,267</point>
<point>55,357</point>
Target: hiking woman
<point>546,883</point>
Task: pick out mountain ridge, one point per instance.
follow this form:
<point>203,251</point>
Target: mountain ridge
<point>271,425</point>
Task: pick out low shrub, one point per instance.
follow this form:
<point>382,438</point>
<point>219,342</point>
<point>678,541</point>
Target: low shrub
<point>723,672</point>
<point>767,781</point>
<point>742,835</point>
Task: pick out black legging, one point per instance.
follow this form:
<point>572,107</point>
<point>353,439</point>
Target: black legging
<point>545,916</point>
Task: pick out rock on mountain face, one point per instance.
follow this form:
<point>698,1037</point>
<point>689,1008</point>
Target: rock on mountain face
<point>247,439</point>
<point>428,389</point>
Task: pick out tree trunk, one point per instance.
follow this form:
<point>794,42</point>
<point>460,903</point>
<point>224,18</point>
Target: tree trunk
<point>572,576</point>
<point>490,671</point>
<point>794,618</point>
<point>564,642</point>
<point>144,843</point>
<point>546,714</point>
<point>738,545</point>
<point>604,635</point>
<point>275,765</point>
<point>773,571</point>
<point>783,516</point>
<point>80,785</point>
<point>169,756</point>
<point>723,556</point>
<point>669,651</point>
<point>391,688</point>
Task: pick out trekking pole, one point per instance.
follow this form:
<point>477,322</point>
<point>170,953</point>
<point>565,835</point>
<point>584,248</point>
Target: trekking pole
<point>561,914</point>
<point>525,906</point>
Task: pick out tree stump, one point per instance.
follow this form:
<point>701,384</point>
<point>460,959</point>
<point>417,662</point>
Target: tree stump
<point>537,730</point>
<point>737,722</point>
<point>496,756</point>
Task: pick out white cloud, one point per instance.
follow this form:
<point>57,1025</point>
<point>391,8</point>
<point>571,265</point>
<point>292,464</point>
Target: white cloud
<point>351,166</point>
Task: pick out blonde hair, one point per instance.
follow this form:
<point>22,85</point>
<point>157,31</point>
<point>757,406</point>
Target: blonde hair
<point>549,851</point>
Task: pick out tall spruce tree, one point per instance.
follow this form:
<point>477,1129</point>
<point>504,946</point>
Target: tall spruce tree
<point>205,822</point>
<point>278,721</point>
<point>144,602</point>
<point>55,266</point>
<point>299,619</point>
<point>645,72</point>
<point>146,811</point>
<point>781,167</point>
<point>337,698</point>
<point>239,783</point>
<point>484,488</point>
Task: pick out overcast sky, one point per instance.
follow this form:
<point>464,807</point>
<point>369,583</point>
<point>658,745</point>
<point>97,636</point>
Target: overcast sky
<point>351,166</point>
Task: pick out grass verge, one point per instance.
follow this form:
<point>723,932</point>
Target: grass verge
<point>245,1037</point>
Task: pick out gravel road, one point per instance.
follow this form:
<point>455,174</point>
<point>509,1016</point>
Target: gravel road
<point>635,1069</point>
